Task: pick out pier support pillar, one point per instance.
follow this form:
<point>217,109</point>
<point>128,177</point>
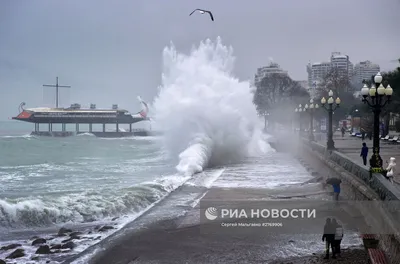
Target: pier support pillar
<point>104,127</point>
<point>130,127</point>
<point>117,127</point>
<point>36,127</point>
<point>50,127</point>
<point>90,128</point>
<point>77,128</point>
<point>64,127</point>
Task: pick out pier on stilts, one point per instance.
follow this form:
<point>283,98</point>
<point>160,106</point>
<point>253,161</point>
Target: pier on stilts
<point>103,133</point>
<point>77,116</point>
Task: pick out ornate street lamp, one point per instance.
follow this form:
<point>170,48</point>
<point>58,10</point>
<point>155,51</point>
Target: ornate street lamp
<point>332,106</point>
<point>311,109</point>
<point>376,98</point>
<point>300,110</point>
<point>266,120</point>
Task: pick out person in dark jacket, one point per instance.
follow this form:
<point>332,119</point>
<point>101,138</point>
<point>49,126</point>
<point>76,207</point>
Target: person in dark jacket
<point>364,153</point>
<point>328,237</point>
<point>338,236</point>
<point>336,191</point>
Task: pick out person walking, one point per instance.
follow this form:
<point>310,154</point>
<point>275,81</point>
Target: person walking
<point>362,134</point>
<point>336,191</point>
<point>364,153</point>
<point>335,182</point>
<point>338,237</point>
<point>328,237</point>
<point>343,131</point>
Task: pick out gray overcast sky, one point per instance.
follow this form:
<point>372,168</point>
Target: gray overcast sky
<point>110,51</point>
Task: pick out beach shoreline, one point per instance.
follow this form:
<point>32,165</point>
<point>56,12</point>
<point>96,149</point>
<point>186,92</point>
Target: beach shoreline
<point>172,232</point>
<point>184,240</point>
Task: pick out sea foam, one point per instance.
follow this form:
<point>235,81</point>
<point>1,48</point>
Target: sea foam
<point>206,114</point>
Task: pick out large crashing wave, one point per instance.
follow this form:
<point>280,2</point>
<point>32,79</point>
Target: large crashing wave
<point>84,207</point>
<point>206,114</point>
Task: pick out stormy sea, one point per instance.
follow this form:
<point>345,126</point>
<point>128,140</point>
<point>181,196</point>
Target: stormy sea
<point>211,137</point>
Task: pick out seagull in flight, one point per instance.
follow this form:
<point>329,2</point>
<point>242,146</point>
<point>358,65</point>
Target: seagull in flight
<point>201,11</point>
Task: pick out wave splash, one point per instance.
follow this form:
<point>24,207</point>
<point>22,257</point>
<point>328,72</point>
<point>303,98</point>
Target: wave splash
<point>206,114</point>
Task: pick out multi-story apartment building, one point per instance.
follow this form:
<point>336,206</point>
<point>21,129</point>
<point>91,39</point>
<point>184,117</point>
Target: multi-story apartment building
<point>364,71</point>
<point>264,71</point>
<point>317,71</point>
<point>343,63</point>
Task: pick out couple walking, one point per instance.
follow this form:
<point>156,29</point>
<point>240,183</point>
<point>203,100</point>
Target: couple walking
<point>333,234</point>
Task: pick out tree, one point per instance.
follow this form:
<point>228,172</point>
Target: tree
<point>277,93</point>
<point>335,80</point>
<point>369,82</point>
<point>393,78</point>
<point>367,122</point>
<point>339,82</point>
<point>397,126</point>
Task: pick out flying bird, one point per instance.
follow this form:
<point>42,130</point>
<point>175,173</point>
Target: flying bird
<point>201,11</point>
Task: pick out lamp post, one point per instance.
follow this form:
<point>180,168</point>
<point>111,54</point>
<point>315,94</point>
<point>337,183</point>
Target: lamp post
<point>266,120</point>
<point>310,109</point>
<point>355,114</point>
<point>376,98</point>
<point>332,106</point>
<point>300,110</point>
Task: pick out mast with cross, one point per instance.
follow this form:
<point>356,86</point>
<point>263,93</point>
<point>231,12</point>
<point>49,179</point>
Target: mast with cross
<point>56,86</point>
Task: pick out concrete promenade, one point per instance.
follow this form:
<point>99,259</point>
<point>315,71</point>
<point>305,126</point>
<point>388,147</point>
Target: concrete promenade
<point>351,147</point>
<point>187,240</point>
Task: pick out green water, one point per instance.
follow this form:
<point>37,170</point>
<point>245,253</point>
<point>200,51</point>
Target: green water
<point>46,180</point>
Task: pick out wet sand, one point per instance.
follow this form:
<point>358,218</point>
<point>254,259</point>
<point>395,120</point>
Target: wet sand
<point>184,240</point>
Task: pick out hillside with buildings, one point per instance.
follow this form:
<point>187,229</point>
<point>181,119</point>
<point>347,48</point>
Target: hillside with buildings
<point>318,70</point>
<point>355,73</point>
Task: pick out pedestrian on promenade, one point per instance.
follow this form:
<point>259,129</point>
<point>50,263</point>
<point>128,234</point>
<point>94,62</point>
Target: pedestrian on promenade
<point>343,131</point>
<point>335,182</point>
<point>336,191</point>
<point>328,237</point>
<point>391,169</point>
<point>362,134</point>
<point>338,237</point>
<point>364,153</point>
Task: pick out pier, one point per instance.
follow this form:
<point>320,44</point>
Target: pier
<point>74,121</point>
<point>104,133</point>
<point>78,117</point>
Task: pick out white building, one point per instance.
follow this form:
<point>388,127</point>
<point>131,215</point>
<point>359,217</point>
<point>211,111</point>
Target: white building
<point>317,71</point>
<point>343,63</point>
<point>264,71</point>
<point>364,70</point>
